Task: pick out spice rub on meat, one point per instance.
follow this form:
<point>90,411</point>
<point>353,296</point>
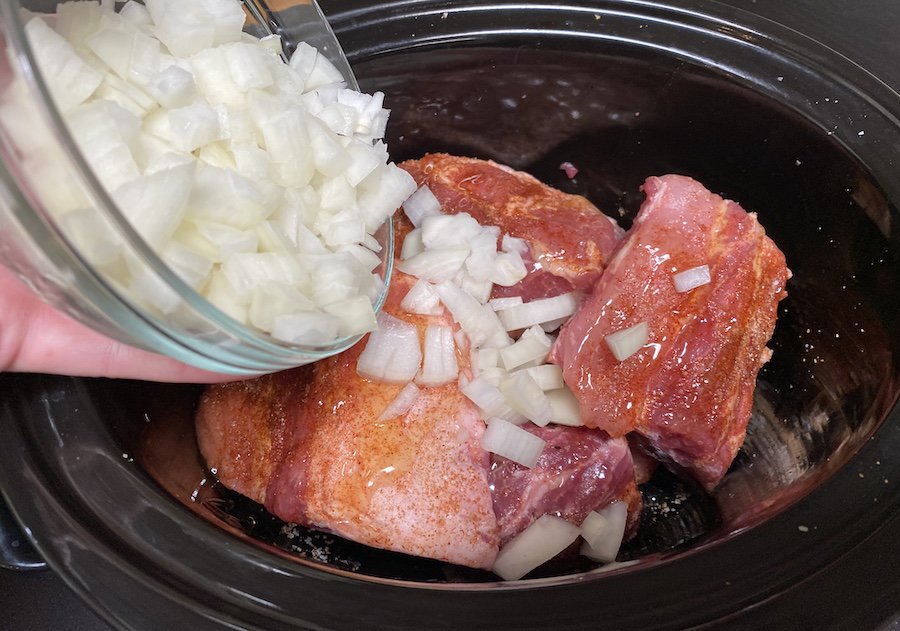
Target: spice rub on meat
<point>688,391</point>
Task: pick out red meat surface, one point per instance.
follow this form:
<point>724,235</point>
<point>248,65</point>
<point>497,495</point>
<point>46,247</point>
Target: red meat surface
<point>580,470</point>
<point>688,392</point>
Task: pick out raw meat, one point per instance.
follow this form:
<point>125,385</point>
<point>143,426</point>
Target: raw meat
<point>318,455</point>
<point>307,444</point>
<point>688,391</point>
<point>570,241</point>
<point>579,470</point>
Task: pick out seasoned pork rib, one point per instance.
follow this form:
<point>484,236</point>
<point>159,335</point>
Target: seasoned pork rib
<point>307,443</point>
<point>415,484</point>
<point>688,392</point>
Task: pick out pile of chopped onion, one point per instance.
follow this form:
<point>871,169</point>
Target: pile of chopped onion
<point>457,262</point>
<point>259,182</point>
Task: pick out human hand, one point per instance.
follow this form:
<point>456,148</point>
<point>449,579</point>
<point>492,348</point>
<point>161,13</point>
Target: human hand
<point>34,337</point>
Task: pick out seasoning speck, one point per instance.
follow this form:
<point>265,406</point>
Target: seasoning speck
<point>803,528</point>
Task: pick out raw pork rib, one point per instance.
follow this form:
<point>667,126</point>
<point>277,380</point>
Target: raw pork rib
<point>570,241</point>
<point>307,443</point>
<point>688,392</point>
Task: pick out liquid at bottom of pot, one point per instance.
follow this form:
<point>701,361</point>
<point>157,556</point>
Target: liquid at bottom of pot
<point>620,118</point>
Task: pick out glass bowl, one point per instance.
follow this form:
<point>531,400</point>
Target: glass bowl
<point>44,176</point>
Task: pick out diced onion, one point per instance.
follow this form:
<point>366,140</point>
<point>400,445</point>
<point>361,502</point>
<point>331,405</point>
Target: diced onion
<point>627,342</point>
<point>213,147</point>
<point>546,376</point>
<point>534,546</point>
<point>603,532</point>
<point>305,327</point>
<point>402,403</point>
<point>412,245</point>
<point>525,397</point>
<point>514,244</point>
<point>498,304</point>
<point>508,269</point>
<point>565,406</point>
<point>435,264</point>
<point>421,204</point>
<point>439,365</point>
<point>486,396</point>
<point>392,353</point>
<point>512,442</point>
<point>691,278</point>
<point>485,358</point>
<point>538,311</point>
<point>527,349</point>
<point>422,299</point>
<point>442,231</point>
<point>477,320</point>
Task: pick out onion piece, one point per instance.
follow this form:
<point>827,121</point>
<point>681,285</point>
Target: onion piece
<point>538,311</point>
<point>514,244</point>
<point>534,546</point>
<point>392,353</point>
<point>528,348</point>
<point>478,321</point>
<point>422,299</point>
<point>480,290</point>
<point>627,342</point>
<point>525,397</point>
<point>442,231</point>
<point>691,278</point>
<point>435,264</point>
<point>481,262</point>
<point>439,365</point>
<point>420,205</point>
<point>486,396</point>
<point>402,403</point>
<point>508,269</point>
<point>505,303</point>
<point>412,245</point>
<point>566,408</point>
<point>603,532</point>
<point>485,358</point>
<point>311,327</point>
<point>490,401</point>
<point>546,376</point>
<point>512,442</point>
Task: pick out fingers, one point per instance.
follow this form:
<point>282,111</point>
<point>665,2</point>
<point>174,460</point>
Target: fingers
<point>34,337</point>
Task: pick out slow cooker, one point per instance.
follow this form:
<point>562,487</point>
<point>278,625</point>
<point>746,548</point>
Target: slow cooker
<point>753,98</point>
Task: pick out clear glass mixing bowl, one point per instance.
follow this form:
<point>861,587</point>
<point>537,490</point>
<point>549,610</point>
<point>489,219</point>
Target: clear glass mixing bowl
<point>43,174</point>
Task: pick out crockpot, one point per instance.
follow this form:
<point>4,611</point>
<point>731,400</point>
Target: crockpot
<point>105,478</point>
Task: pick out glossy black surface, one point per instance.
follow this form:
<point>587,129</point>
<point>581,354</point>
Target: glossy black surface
<point>98,515</point>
